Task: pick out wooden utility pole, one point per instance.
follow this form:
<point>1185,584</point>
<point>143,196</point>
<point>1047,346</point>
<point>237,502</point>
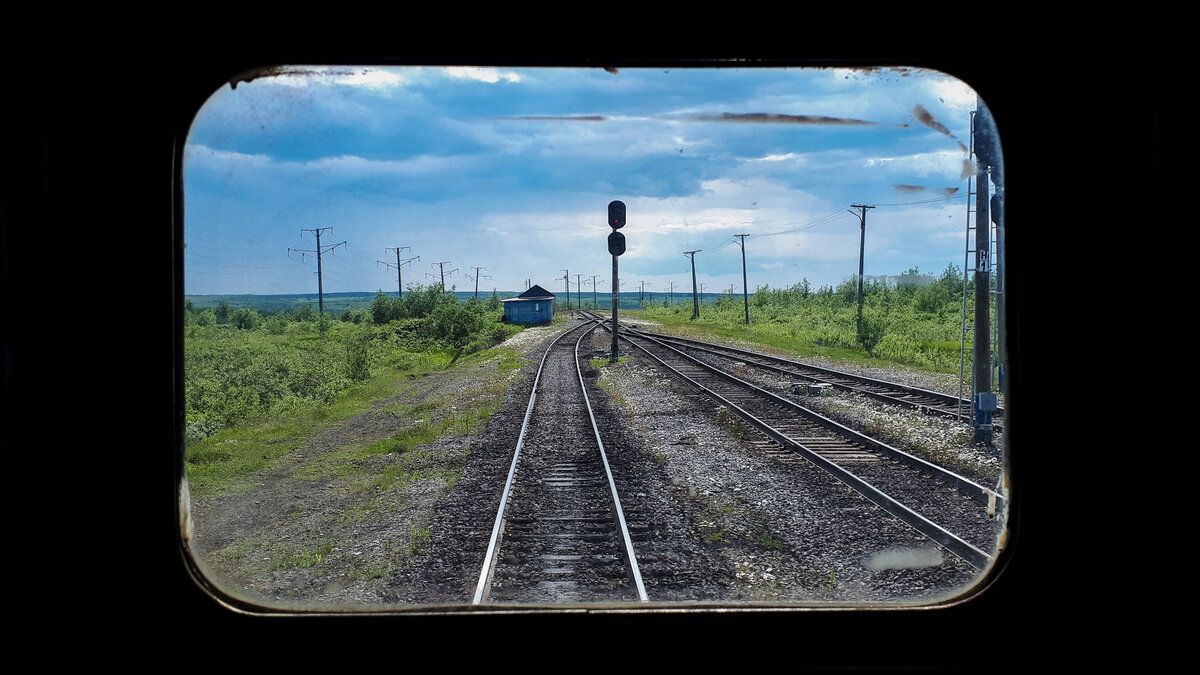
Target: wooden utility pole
<point>318,252</point>
<point>862,239</point>
<point>567,278</point>
<point>695,298</point>
<point>745,293</point>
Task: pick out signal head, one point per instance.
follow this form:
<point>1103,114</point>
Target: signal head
<point>616,214</point>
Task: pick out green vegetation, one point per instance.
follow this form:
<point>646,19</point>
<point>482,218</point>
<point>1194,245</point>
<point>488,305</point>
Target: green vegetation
<point>256,386</point>
<point>914,320</point>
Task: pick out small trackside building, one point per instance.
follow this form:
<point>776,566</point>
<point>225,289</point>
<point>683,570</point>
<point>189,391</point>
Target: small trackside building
<point>535,305</point>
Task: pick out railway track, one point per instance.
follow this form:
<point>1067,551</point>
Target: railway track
<point>560,534</point>
<point>956,513</point>
<point>930,402</point>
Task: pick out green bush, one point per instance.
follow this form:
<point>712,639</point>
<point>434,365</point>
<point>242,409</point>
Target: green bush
<point>245,319</point>
<point>910,321</point>
<point>253,367</point>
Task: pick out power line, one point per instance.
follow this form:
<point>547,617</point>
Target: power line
<point>476,278</point>
<point>399,264</point>
<point>442,267</point>
<point>319,250</point>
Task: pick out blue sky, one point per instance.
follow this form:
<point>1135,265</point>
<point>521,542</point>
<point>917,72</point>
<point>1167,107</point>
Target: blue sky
<point>511,170</point>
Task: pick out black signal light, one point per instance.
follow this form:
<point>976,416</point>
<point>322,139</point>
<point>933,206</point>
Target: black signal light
<point>616,214</point>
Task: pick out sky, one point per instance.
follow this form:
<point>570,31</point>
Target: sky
<point>499,176</point>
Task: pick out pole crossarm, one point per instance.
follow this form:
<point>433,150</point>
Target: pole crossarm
<point>318,252</point>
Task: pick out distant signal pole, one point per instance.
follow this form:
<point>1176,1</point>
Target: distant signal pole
<point>318,252</point>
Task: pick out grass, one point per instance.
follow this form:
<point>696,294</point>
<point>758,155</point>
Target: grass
<point>418,539</point>
<point>226,461</point>
<point>798,341</point>
<point>305,558</point>
<point>767,540</point>
<point>733,424</point>
<point>613,391</point>
<point>601,363</point>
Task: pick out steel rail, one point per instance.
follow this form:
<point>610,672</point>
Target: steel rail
<point>977,492</point>
<point>951,542</point>
<point>982,495</point>
<point>489,564</point>
<point>630,558</point>
<point>948,400</point>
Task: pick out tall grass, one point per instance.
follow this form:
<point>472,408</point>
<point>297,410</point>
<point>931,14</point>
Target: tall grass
<point>920,320</point>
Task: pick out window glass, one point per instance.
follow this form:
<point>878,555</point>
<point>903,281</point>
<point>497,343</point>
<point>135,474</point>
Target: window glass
<point>350,370</point>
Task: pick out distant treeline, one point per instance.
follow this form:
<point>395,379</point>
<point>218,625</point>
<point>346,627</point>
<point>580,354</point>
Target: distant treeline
<point>338,303</point>
<point>335,303</point>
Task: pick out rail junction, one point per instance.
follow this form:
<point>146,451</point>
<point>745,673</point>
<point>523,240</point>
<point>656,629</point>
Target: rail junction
<point>560,534</point>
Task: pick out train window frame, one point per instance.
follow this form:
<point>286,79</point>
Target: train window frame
<point>234,600</point>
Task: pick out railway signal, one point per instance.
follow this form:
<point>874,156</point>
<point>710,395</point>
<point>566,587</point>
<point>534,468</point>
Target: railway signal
<point>616,214</point>
<point>616,246</point>
<point>616,243</point>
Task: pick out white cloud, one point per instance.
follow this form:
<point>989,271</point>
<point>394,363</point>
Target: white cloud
<point>373,78</point>
<point>946,164</point>
<point>490,75</point>
<point>196,155</point>
<point>955,92</point>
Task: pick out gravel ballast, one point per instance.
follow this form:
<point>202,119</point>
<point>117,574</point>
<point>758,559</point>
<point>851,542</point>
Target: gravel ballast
<point>721,518</point>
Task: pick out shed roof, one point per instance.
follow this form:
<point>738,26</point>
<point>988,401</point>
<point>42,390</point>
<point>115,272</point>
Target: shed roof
<point>535,292</point>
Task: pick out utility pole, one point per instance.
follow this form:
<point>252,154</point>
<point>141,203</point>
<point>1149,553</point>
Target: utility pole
<point>695,298</point>
<point>642,293</point>
<point>862,238</point>
<point>476,278</point>
<point>567,277</point>
<point>578,291</point>
<point>442,267</point>
<point>399,264</point>
<point>745,295</point>
<point>318,252</point>
<point>594,277</point>
<point>671,302</point>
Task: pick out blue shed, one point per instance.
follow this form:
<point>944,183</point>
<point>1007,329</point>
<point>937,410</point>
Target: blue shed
<point>535,305</point>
